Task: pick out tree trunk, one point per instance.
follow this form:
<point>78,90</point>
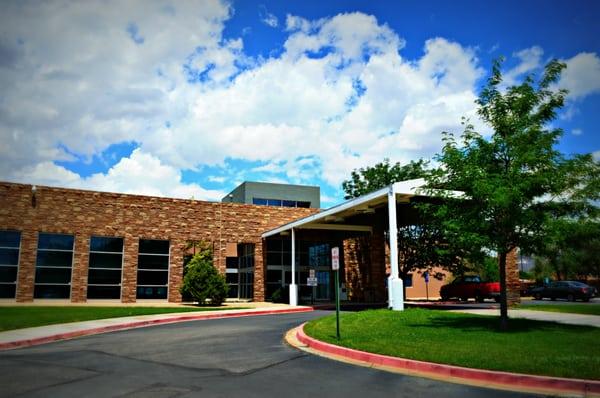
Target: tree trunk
<point>503,300</point>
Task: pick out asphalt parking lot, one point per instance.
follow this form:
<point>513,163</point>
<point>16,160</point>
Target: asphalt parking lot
<point>213,358</point>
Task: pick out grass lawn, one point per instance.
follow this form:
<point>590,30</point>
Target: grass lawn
<point>25,317</point>
<point>533,347</point>
<point>586,309</point>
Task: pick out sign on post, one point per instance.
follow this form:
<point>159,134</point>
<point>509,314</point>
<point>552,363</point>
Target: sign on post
<point>311,282</point>
<point>311,273</point>
<point>335,258</point>
<point>335,265</point>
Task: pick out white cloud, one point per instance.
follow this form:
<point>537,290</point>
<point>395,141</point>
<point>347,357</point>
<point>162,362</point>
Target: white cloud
<point>140,173</point>
<point>596,155</point>
<point>340,95</point>
<point>576,131</point>
<point>530,60</point>
<point>267,18</point>
<point>582,76</point>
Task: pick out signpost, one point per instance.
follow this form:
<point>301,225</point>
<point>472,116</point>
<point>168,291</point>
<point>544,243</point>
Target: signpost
<point>426,276</point>
<point>335,266</point>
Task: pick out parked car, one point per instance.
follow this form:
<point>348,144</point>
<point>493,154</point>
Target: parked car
<point>569,290</point>
<point>467,287</point>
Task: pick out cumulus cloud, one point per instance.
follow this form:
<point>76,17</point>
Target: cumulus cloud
<point>140,173</point>
<point>339,96</point>
<point>582,76</point>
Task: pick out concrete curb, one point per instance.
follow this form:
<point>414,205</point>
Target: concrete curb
<point>140,324</point>
<point>450,373</point>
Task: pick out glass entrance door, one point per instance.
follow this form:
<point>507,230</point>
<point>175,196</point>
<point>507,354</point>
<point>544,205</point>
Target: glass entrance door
<point>323,287</point>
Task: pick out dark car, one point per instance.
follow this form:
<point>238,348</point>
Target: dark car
<point>569,290</point>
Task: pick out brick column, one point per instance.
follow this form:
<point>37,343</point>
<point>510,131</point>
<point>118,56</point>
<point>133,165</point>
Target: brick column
<point>513,285</point>
<point>177,249</point>
<point>79,276</point>
<point>27,257</point>
<point>259,270</point>
<point>378,266</point>
<point>129,277</point>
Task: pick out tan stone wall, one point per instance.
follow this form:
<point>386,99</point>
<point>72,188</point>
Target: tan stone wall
<point>513,285</point>
<point>419,289</point>
<point>88,213</point>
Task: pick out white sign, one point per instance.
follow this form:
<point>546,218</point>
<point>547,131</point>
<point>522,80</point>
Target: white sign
<point>335,258</point>
<point>311,273</point>
<point>311,281</point>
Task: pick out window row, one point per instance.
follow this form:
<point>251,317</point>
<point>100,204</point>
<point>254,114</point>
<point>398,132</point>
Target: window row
<point>54,262</point>
<point>280,202</point>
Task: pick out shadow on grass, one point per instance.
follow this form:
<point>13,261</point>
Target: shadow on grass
<point>492,324</point>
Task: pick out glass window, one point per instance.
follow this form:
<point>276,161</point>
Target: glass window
<point>408,280</point>
<point>153,269</point>
<point>303,204</point>
<point>105,267</point>
<point>259,201</point>
<point>53,266</point>
<point>9,256</point>
<point>104,244</point>
<point>55,241</point>
<point>153,246</point>
<point>289,203</point>
<point>10,241</point>
<point>274,202</point>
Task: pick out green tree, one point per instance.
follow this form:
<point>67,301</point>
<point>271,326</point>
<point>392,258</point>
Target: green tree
<point>372,178</point>
<point>202,281</point>
<point>571,249</point>
<point>515,181</point>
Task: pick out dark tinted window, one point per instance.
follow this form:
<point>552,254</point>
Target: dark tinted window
<point>52,291</point>
<point>147,292</point>
<point>9,256</point>
<point>259,201</point>
<point>274,202</point>
<point>55,241</point>
<point>8,274</point>
<point>10,239</point>
<point>104,244</point>
<point>153,262</point>
<point>154,246</point>
<point>54,259</point>
<point>303,204</point>
<point>105,260</point>
<point>104,277</point>
<point>152,278</point>
<point>8,291</point>
<point>289,203</point>
<point>52,275</point>
<point>408,281</point>
<point>104,292</point>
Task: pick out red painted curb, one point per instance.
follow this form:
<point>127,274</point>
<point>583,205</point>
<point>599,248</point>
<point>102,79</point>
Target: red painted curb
<point>505,379</point>
<point>140,324</point>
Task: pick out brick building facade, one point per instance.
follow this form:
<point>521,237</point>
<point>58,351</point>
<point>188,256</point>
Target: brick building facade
<point>84,214</point>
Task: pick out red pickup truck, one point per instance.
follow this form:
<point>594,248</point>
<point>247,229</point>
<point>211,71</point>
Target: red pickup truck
<point>467,287</point>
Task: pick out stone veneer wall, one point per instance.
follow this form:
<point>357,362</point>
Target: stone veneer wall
<point>86,213</point>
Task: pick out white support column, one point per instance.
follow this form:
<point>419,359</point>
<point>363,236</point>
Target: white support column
<point>293,286</point>
<point>395,288</point>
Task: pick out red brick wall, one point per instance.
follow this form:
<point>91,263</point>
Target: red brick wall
<point>87,213</point>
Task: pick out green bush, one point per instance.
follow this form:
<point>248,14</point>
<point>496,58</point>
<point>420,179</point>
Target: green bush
<point>202,281</point>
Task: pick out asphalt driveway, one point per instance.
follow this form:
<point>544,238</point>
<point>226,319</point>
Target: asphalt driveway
<point>236,357</point>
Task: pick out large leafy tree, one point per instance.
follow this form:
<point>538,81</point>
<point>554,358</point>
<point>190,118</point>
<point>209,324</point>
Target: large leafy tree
<point>514,181</point>
<point>372,178</point>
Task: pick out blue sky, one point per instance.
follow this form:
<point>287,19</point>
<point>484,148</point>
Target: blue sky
<point>189,100</point>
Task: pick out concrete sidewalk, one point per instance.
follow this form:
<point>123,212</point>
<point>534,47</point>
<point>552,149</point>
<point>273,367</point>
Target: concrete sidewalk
<point>44,334</point>
<point>560,317</point>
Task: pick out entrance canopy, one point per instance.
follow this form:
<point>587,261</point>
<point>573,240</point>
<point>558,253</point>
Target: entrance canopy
<point>359,216</point>
<point>353,215</point>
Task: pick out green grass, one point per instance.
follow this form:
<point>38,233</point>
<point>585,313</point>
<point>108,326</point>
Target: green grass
<point>19,317</point>
<point>533,347</point>
<point>586,309</point>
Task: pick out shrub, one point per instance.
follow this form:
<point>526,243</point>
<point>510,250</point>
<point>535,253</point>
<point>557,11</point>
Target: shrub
<point>202,281</point>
